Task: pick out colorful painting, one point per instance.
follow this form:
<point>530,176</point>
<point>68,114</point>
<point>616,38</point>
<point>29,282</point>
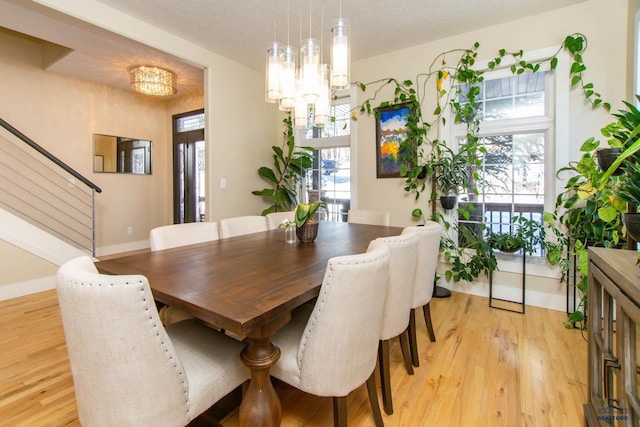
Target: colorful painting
<point>391,132</point>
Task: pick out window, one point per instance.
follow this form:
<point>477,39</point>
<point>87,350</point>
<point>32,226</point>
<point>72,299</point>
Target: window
<point>330,178</point>
<point>516,133</point>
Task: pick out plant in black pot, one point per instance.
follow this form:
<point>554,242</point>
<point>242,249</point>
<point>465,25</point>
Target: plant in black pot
<point>628,189</point>
<point>452,172</point>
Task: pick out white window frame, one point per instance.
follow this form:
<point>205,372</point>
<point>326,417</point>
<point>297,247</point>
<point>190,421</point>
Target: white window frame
<point>555,125</point>
<point>342,97</point>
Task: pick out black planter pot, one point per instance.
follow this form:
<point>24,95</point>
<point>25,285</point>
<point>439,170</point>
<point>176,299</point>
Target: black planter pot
<point>448,202</point>
<point>606,156</point>
<point>632,222</point>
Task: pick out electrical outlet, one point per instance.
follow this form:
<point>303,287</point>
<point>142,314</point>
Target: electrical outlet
<point>223,182</point>
<point>129,231</point>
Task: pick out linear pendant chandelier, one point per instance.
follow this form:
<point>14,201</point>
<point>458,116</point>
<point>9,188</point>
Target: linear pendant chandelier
<point>304,86</point>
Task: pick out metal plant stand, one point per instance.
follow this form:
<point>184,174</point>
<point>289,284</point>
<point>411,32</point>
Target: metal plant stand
<point>524,277</point>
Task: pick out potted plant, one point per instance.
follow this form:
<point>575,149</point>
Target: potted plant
<point>290,165</point>
<point>451,173</point>
<point>527,235</point>
<point>306,224</point>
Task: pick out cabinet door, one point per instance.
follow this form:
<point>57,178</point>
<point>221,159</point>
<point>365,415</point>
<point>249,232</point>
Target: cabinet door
<point>628,318</point>
<point>604,371</point>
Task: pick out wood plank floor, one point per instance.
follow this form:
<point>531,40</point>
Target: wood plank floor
<point>488,368</point>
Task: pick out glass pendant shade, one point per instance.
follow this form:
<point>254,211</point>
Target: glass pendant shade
<point>301,109</point>
<point>324,100</point>
<point>272,73</point>
<point>310,70</point>
<point>340,55</point>
<point>288,79</point>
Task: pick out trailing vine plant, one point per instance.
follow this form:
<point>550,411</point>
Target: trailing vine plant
<point>472,256</point>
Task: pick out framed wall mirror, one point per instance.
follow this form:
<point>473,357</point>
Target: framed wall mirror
<point>119,154</point>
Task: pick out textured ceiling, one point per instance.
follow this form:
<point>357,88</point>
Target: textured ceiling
<point>242,29</point>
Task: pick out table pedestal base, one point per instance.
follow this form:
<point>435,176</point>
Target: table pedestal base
<point>260,405</point>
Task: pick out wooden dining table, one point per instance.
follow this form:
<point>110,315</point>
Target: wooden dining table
<point>248,285</point>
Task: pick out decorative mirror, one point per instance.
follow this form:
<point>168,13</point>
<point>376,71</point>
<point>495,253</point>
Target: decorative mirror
<point>118,154</point>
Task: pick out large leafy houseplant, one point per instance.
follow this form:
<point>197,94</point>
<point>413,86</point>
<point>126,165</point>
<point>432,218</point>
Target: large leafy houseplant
<point>290,164</point>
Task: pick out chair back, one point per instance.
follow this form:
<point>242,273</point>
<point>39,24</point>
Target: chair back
<point>171,236</point>
<point>240,225</point>
<point>275,218</point>
<point>428,249</point>
<point>402,269</point>
<point>124,366</point>
<point>363,216</point>
<point>338,349</point>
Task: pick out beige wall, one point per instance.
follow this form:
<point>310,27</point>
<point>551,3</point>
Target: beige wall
<point>604,23</point>
<point>18,265</point>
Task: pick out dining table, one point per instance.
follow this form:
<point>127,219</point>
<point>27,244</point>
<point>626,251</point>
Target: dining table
<point>248,285</point>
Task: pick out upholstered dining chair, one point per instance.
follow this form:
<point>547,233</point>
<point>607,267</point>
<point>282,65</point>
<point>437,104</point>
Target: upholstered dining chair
<point>428,249</point>
<point>174,235</point>
<point>331,349</point>
<point>364,216</point>
<point>128,370</point>
<point>397,307</point>
<point>275,218</point>
<point>240,225</point>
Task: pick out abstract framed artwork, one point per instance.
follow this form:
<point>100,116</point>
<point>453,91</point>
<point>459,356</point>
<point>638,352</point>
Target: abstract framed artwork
<point>391,137</point>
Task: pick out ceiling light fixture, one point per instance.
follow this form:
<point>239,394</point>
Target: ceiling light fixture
<point>153,80</point>
<point>311,92</point>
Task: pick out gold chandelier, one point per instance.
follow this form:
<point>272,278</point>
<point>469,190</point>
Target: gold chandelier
<point>153,80</point>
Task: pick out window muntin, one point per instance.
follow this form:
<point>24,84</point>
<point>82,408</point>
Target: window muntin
<point>515,133</point>
<point>330,177</point>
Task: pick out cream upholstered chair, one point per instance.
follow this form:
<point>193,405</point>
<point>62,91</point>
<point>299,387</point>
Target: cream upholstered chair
<point>332,350</point>
<point>363,216</point>
<point>275,218</point>
<point>240,225</point>
<point>175,235</point>
<point>171,236</point>
<point>428,249</point>
<point>128,370</point>
<point>397,307</point>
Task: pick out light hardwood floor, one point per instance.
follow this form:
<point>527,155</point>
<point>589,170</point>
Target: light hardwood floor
<point>488,368</point>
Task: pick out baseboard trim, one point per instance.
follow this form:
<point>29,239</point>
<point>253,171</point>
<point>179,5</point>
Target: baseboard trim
<point>20,289</point>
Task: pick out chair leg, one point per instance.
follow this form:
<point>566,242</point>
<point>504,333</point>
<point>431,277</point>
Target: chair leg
<point>340,411</point>
<point>385,377</point>
<point>373,400</point>
<point>413,343</point>
<point>406,356</point>
<point>426,309</point>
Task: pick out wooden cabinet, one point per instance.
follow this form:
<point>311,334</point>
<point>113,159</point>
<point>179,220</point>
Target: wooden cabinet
<point>613,316</point>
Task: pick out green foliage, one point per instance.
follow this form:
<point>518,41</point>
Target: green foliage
<point>528,234</point>
<point>306,211</point>
<point>470,255</point>
<point>289,165</point>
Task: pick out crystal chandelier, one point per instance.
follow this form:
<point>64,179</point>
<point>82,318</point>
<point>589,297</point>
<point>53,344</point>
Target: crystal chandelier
<point>304,86</point>
<point>153,80</point>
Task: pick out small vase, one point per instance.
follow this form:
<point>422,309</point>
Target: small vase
<point>290,234</point>
<point>308,232</point>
